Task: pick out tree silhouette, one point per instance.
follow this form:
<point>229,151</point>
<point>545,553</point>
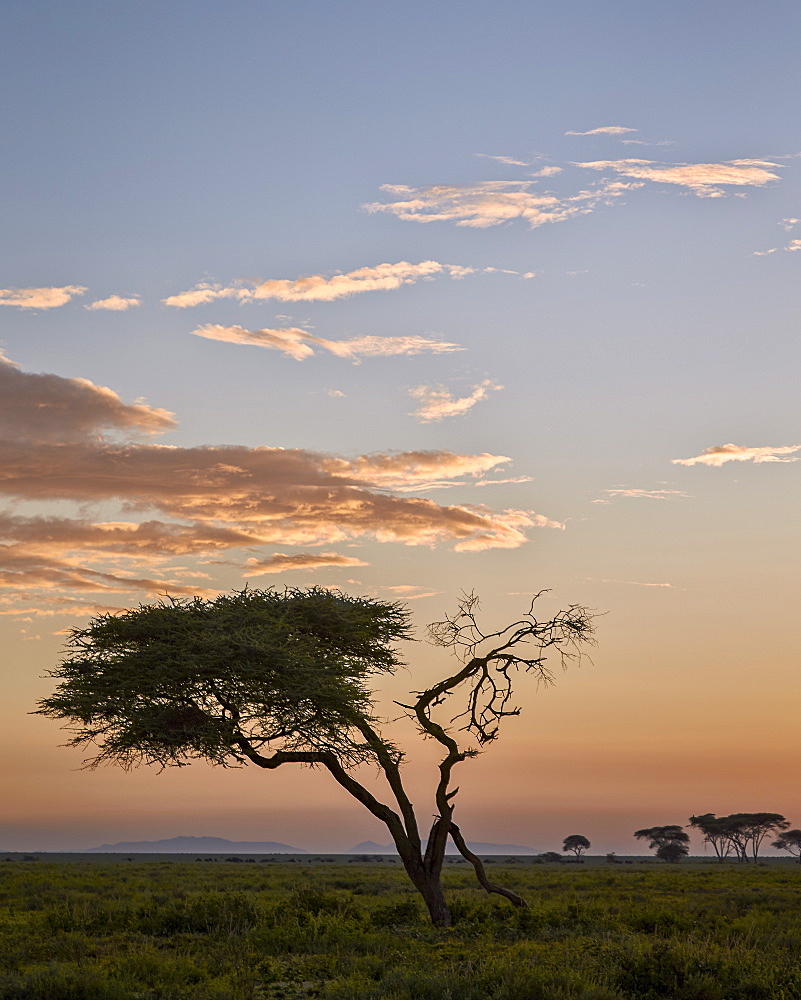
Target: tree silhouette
<point>576,843</point>
<point>670,842</point>
<point>716,832</point>
<point>272,678</point>
<point>740,834</point>
<point>790,841</point>
<point>672,852</point>
<point>748,830</point>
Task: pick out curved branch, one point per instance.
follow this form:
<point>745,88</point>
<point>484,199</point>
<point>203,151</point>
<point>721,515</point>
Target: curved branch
<point>481,874</point>
<point>389,765</point>
<point>329,760</point>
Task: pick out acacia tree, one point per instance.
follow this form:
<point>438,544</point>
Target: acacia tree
<point>716,832</point>
<point>670,842</point>
<point>741,834</point>
<point>272,678</point>
<point>576,843</point>
<point>790,841</point>
<point>748,830</point>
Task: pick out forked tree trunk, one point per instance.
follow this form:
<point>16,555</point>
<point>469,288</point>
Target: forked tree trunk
<point>429,886</point>
<point>434,897</point>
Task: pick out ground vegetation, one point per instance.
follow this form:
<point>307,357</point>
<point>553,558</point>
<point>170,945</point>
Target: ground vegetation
<point>201,931</point>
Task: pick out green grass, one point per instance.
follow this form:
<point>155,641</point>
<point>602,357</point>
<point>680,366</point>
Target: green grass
<point>198,931</point>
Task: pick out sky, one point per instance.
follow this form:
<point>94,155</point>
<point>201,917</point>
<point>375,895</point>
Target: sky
<point>411,300</point>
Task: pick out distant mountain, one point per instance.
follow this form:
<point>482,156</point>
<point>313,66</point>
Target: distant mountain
<point>370,847</point>
<point>194,845</point>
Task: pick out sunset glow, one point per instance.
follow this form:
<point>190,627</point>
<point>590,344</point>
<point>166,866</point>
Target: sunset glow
<point>374,297</point>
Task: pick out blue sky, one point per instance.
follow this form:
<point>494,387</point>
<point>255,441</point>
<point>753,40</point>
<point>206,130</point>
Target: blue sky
<point>529,256</point>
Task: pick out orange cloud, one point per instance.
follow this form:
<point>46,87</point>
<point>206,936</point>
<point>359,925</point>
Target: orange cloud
<point>317,287</point>
<point>50,408</point>
<point>297,343</point>
<point>606,130</point>
<point>39,298</point>
<point>489,203</point>
<point>437,403</point>
<point>720,454</point>
<point>28,571</point>
<point>284,496</point>
<point>639,494</point>
<point>280,563</point>
<point>707,180</point>
<point>210,499</point>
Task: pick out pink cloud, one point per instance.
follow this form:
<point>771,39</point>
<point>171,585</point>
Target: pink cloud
<point>318,287</point>
<point>280,563</point>
<point>720,454</point>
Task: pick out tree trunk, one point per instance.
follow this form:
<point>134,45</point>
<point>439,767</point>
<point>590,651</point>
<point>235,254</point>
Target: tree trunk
<point>429,886</point>
<point>434,897</point>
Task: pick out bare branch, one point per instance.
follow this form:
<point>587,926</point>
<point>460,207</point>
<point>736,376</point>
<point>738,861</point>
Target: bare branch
<point>481,875</point>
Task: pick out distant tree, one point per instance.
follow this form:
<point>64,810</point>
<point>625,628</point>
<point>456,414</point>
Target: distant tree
<point>716,832</point>
<point>551,856</point>
<point>672,852</point>
<point>576,843</point>
<point>748,830</point>
<point>272,678</point>
<point>669,842</point>
<point>790,841</point>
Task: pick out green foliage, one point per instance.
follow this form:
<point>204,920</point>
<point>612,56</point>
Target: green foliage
<point>186,678</point>
<point>162,931</point>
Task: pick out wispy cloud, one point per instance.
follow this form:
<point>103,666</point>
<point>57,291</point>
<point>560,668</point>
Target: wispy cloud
<point>490,203</point>
<point>280,563</point>
<point>55,554</point>
<point>788,224</point>
<point>648,142</point>
<point>507,160</point>
<point>606,130</point>
<point>319,288</point>
<point>275,495</point>
<point>636,583</point>
<point>300,344</point>
<point>39,298</point>
<point>411,593</point>
<point>437,402</point>
<point>52,408</point>
<point>792,247</point>
<point>116,303</point>
<point>500,482</point>
<point>707,180</point>
<point>720,454</point>
<point>639,494</point>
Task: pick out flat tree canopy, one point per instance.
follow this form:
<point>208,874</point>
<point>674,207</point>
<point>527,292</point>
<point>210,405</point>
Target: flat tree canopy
<point>285,677</point>
<point>192,678</point>
<point>576,843</point>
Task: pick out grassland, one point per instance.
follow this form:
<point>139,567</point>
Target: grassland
<point>121,930</point>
